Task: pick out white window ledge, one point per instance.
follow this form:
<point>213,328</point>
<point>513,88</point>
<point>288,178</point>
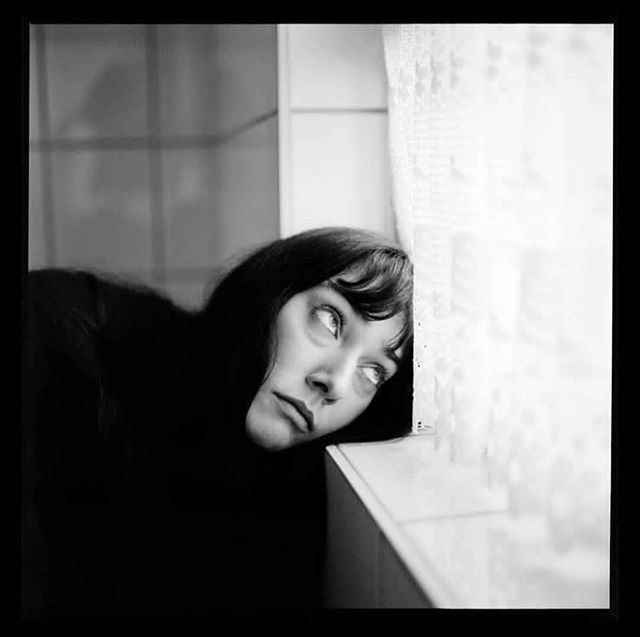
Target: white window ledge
<point>409,529</point>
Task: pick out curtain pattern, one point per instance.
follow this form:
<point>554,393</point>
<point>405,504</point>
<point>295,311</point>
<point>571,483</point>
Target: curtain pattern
<point>501,144</point>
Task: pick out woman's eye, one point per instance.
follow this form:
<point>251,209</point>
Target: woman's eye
<point>375,375</point>
<point>330,319</point>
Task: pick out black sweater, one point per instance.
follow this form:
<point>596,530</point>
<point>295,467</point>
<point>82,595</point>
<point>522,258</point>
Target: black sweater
<point>139,495</point>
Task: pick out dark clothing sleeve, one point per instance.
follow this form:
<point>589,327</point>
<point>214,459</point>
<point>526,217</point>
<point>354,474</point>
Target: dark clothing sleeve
<point>111,377</point>
<point>72,464</point>
<point>135,500</point>
<point>61,370</point>
<point>98,447</point>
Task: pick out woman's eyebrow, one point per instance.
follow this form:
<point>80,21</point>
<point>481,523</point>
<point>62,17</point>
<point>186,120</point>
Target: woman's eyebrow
<point>334,287</point>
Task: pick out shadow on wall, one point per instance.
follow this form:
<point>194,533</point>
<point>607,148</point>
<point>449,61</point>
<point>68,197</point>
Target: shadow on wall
<point>115,104</point>
<point>102,194</point>
<point>108,196</point>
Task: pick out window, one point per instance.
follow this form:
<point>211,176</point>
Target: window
<point>501,142</point>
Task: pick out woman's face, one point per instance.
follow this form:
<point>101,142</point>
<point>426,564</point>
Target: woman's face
<point>329,363</point>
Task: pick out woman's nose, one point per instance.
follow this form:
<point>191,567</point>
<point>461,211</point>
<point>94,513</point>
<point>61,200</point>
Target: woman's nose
<point>332,381</point>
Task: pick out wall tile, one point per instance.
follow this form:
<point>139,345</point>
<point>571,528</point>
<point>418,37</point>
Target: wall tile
<point>96,80</point>
<point>336,65</point>
<point>216,77</point>
<point>340,171</point>
<point>353,538</point>
<point>223,199</point>
<point>397,587</point>
<point>36,255</point>
<point>102,209</point>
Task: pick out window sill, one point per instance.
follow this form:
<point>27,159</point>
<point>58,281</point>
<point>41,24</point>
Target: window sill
<point>452,534</point>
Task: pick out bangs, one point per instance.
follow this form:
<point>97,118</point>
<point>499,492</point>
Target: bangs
<point>379,287</point>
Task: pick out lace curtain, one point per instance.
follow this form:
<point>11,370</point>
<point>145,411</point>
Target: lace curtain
<point>501,142</point>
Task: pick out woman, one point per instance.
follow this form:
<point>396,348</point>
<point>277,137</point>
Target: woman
<point>164,464</point>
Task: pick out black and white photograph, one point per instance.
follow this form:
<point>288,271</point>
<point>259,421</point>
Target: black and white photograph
<point>316,317</point>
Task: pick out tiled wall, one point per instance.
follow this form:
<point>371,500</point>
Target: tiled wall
<point>153,149</point>
<point>334,166</point>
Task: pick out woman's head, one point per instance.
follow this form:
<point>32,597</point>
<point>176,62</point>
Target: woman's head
<point>312,330</point>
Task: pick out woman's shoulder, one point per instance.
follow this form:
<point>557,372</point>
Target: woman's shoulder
<point>104,294</point>
<point>140,343</point>
<point>131,309</point>
<point>58,284</point>
<point>142,336</point>
<point>121,319</point>
<point>59,302</point>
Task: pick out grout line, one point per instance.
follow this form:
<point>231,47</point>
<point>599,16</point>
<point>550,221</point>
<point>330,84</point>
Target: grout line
<point>244,127</point>
<point>452,516</point>
<point>175,142</point>
<point>48,209</point>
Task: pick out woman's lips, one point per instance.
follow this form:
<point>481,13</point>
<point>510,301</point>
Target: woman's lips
<point>300,407</point>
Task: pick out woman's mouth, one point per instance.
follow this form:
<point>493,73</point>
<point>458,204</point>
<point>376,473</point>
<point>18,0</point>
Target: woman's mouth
<point>300,408</point>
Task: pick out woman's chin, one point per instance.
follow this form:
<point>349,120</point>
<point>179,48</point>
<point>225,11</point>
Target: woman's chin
<point>270,439</point>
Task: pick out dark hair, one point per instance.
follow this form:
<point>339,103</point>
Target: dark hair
<point>240,314</point>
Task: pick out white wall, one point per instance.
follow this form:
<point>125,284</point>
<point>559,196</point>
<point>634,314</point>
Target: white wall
<point>332,105</point>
